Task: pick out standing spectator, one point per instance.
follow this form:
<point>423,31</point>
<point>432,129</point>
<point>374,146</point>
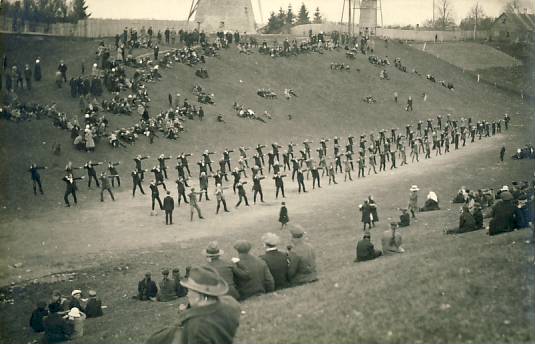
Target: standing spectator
<point>156,52</point>
<point>366,217</point>
<point>413,200</point>
<point>28,76</point>
<point>62,68</point>
<point>37,72</point>
<point>283,215</point>
<point>409,104</point>
<point>502,153</point>
<point>168,206</point>
<point>373,207</point>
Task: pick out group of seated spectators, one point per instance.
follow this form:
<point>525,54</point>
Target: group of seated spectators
<point>526,152</point>
<point>340,66</point>
<point>63,319</point>
<point>266,93</point>
<point>293,48</point>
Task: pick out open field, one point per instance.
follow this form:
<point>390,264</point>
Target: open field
<point>444,289</point>
<point>469,56</point>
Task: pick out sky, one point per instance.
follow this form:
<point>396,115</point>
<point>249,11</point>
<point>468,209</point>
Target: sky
<point>402,12</point>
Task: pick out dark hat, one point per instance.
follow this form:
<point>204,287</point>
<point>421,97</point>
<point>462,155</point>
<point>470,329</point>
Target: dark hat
<point>297,232</point>
<point>54,307</point>
<point>242,246</point>
<point>165,272</point>
<point>205,280</point>
<point>367,235</point>
<point>175,270</point>
<point>393,224</point>
<point>212,250</point>
<point>41,304</point>
<point>147,274</point>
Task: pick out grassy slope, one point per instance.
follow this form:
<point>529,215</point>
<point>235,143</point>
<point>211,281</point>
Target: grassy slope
<point>328,104</point>
<point>486,281</point>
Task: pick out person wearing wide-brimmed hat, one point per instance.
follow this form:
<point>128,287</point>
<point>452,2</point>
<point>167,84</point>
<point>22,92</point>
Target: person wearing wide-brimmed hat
<point>212,317</point>
<point>302,267</point>
<point>276,260</point>
<point>227,270</point>
<point>413,200</point>
<point>259,279</point>
<point>77,319</point>
<point>502,214</point>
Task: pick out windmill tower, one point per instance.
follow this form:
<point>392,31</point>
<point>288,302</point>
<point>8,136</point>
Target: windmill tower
<point>223,15</point>
<point>368,17</point>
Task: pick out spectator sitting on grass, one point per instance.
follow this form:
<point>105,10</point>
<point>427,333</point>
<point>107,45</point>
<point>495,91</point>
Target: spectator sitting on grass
<point>93,307</point>
<point>57,328</point>
<point>366,250</point>
<point>404,218</point>
<point>147,289</point>
<point>502,214</point>
<point>391,240</point>
<point>431,203</point>
<point>39,313</point>
<point>467,223</point>
<point>77,319</point>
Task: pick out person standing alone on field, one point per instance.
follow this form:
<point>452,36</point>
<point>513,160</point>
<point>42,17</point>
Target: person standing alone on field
<point>283,215</point>
<point>168,206</point>
<point>502,153</point>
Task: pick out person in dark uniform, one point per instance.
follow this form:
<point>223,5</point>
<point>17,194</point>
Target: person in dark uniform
<point>283,215</point>
<point>37,71</point>
<point>203,186</point>
<point>139,168</point>
<point>181,188</point>
<point>502,154</point>
<point>155,194</point>
<point>315,177</point>
<point>184,161</point>
<point>168,206</point>
<point>158,176</point>
<point>257,188</point>
<point>237,176</point>
<point>161,162</point>
<point>301,180</point>
<point>220,198</point>
<point>362,166</point>
<point>105,185</point>
<point>36,177</point>
<point>112,169</point>
<point>91,173</point>
<point>279,184</point>
<point>70,183</point>
<point>136,182</point>
<point>242,194</point>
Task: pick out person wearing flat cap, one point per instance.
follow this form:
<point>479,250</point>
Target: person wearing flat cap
<point>166,290</point>
<point>93,309</point>
<point>75,300</point>
<point>213,317</point>
<point>502,214</point>
<point>302,267</point>
<point>259,279</point>
<point>366,250</point>
<point>277,261</point>
<point>227,270</point>
<point>147,289</point>
<point>391,240</point>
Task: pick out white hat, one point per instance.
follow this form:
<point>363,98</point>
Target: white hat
<point>414,188</point>
<point>76,291</point>
<point>504,188</point>
<point>74,312</point>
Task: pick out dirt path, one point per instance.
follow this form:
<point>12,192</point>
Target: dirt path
<point>83,236</point>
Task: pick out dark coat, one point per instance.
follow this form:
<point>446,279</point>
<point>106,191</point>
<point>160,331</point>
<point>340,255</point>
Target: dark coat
<point>168,203</point>
<point>302,267</point>
<point>366,251</point>
<point>502,217</point>
<point>147,289</point>
<point>229,272</point>
<point>467,223</point>
<point>478,218</point>
<point>57,329</point>
<point>167,290</point>
<point>36,320</point>
<point>216,323</point>
<point>404,220</point>
<point>283,215</point>
<point>278,266</point>
<point>260,280</point>
<point>93,308</point>
<point>366,211</point>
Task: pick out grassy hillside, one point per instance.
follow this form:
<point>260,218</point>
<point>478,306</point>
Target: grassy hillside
<point>329,103</point>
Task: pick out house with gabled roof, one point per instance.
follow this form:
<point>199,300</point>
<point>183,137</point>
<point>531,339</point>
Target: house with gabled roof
<point>514,27</point>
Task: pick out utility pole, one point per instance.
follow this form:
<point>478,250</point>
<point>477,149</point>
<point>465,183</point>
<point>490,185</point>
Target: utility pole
<point>349,18</point>
<point>433,13</point>
<point>475,22</point>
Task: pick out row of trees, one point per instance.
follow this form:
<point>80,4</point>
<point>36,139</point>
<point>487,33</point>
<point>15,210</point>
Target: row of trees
<point>476,18</point>
<point>284,20</point>
<point>47,11</point>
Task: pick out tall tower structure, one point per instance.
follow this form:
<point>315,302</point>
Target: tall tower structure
<point>368,17</point>
<point>225,15</point>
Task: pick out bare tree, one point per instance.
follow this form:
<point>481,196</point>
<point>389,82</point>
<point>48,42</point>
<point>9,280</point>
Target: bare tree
<point>511,6</point>
<point>444,10</point>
